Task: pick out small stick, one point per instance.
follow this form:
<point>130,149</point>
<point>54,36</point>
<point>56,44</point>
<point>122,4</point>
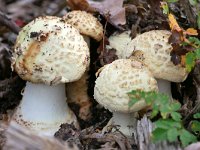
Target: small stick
<point>4,20</point>
<point>19,138</point>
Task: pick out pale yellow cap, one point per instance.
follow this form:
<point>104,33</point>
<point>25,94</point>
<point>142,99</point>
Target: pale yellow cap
<point>86,23</point>
<point>50,51</point>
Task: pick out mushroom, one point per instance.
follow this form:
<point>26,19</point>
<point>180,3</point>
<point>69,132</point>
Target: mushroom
<point>88,26</point>
<point>153,49</point>
<point>119,42</point>
<point>113,84</point>
<point>46,54</point>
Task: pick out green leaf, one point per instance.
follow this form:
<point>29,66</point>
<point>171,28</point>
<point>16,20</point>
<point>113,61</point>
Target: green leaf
<point>190,61</point>
<point>167,123</point>
<point>194,40</point>
<point>159,134</point>
<point>176,116</point>
<point>172,134</point>
<point>196,116</point>
<point>193,2</point>
<point>154,113</point>
<point>172,1</point>
<point>195,126</point>
<point>132,102</point>
<point>197,53</point>
<point>165,8</point>
<point>175,106</point>
<point>187,137</point>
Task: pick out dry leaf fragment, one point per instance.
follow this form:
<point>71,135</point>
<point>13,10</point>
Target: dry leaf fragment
<point>191,31</point>
<point>112,10</point>
<point>173,23</point>
<point>112,7</point>
<point>80,5</point>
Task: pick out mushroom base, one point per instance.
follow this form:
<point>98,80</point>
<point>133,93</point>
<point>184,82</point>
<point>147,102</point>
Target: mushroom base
<point>126,121</point>
<point>44,108</point>
<point>164,87</point>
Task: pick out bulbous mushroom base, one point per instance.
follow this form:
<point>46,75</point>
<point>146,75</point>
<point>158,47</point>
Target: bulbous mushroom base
<point>43,109</point>
<point>126,121</point>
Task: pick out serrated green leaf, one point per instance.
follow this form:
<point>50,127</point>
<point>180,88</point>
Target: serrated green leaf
<point>195,126</point>
<point>196,116</point>
<point>186,137</point>
<point>172,134</point>
<point>176,116</point>
<point>175,106</point>
<point>190,61</point>
<point>159,134</point>
<point>167,124</point>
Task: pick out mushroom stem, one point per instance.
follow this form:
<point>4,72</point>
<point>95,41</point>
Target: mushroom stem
<point>87,40</point>
<point>164,87</point>
<point>44,108</point>
<point>126,121</point>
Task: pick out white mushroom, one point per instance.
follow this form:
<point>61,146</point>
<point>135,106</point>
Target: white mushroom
<point>153,49</point>
<point>46,52</point>
<point>114,83</point>
<point>88,26</point>
<point>119,42</point>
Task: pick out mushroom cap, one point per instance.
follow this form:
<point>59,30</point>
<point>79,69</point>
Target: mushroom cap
<point>154,50</point>
<point>50,51</point>
<point>119,42</point>
<point>86,23</point>
<point>117,79</point>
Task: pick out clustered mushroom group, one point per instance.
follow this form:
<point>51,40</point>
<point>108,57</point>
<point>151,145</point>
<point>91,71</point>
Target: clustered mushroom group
<point>51,51</point>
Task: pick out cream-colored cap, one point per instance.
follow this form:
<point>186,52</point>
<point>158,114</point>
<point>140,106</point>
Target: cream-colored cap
<point>51,51</point>
<point>119,42</point>
<point>86,23</point>
<point>154,50</point>
<point>117,79</point>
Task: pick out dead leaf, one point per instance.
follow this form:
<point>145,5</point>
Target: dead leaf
<point>80,5</point>
<point>191,31</point>
<point>112,9</point>
<point>173,23</point>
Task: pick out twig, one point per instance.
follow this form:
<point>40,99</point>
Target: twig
<point>4,20</point>
<point>19,138</point>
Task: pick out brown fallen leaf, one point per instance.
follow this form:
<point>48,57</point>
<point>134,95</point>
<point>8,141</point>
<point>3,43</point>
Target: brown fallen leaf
<point>112,10</point>
<point>80,5</point>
